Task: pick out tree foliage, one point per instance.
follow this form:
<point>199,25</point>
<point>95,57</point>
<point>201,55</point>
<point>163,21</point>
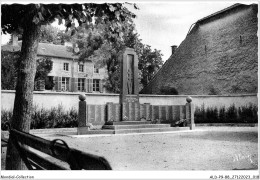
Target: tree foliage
<point>9,69</point>
<point>51,34</point>
<point>44,67</point>
<point>9,66</point>
<point>105,51</point>
<point>150,61</point>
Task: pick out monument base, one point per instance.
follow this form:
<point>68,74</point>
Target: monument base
<point>192,126</point>
<point>82,130</point>
<point>127,122</point>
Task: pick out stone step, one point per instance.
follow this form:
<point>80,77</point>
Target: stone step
<point>127,122</point>
<point>137,126</point>
<point>147,130</point>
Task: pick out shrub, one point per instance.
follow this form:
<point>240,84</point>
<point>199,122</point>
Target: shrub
<point>200,114</point>
<point>222,115</point>
<point>232,114</point>
<point>248,114</point>
<point>212,115</point>
<point>167,90</point>
<point>212,91</point>
<point>43,118</point>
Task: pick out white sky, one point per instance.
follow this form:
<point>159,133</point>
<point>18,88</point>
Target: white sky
<point>162,24</point>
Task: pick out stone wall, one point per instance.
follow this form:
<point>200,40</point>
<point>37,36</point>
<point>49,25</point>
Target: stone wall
<point>218,56</point>
<point>48,100</point>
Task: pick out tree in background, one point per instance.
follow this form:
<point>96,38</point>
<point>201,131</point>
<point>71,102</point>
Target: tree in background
<point>150,61</point>
<point>9,69</point>
<point>103,48</point>
<point>29,18</point>
<point>44,67</point>
<point>105,51</point>
<point>51,34</point>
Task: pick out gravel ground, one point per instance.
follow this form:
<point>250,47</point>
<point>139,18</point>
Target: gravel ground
<point>206,148</point>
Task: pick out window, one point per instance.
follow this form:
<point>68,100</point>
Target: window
<point>81,84</point>
<point>81,68</point>
<point>66,66</point>
<point>65,84</point>
<point>96,69</point>
<point>96,84</point>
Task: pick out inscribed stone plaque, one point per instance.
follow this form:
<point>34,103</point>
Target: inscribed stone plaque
<point>117,112</point>
<point>163,113</point>
<point>137,111</point>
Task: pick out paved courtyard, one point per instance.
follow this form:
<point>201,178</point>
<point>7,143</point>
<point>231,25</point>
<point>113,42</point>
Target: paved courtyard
<point>206,148</point>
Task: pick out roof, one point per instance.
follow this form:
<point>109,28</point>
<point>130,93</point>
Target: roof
<point>221,12</point>
<point>45,49</point>
<point>234,6</point>
<point>53,50</point>
<point>214,15</point>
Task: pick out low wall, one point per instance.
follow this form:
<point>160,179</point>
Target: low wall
<point>70,100</point>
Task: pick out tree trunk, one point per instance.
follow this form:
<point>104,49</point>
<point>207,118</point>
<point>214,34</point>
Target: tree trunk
<point>23,104</point>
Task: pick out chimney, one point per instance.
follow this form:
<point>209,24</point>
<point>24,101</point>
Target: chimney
<point>174,47</point>
<point>14,40</point>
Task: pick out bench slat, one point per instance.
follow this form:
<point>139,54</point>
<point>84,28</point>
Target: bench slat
<point>40,144</point>
<point>41,162</point>
<point>90,163</point>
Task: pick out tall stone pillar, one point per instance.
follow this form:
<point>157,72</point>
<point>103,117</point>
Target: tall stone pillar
<point>129,91</point>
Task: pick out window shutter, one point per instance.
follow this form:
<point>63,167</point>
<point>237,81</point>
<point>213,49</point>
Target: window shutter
<point>90,85</point>
<point>56,83</point>
<point>76,85</point>
<point>69,85</point>
<point>101,82</point>
<point>68,81</point>
<point>86,85</point>
<point>72,83</point>
<point>59,83</point>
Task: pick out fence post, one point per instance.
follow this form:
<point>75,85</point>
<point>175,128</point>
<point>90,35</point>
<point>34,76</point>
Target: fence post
<point>190,112</point>
<point>82,117</point>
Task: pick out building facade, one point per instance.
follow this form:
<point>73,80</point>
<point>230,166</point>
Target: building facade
<point>68,73</point>
<point>218,56</point>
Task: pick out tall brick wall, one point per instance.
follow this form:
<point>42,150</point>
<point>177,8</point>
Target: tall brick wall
<point>218,56</point>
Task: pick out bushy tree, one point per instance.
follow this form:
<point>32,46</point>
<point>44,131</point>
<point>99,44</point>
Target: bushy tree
<point>9,69</point>
<point>51,34</point>
<point>44,67</point>
<point>150,61</point>
<point>105,51</point>
<point>28,19</point>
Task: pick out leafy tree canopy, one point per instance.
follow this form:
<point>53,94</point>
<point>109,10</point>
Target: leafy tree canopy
<point>105,50</point>
<point>15,16</point>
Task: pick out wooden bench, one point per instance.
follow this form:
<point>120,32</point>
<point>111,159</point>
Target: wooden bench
<point>41,154</point>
